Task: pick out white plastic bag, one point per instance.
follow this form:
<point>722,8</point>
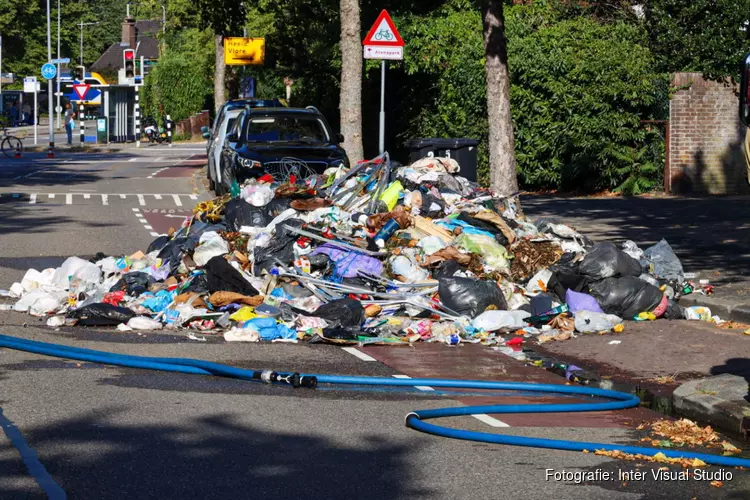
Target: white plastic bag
<point>144,323</point>
<point>593,322</point>
<point>33,279</point>
<point>403,266</point>
<point>242,335</point>
<point>431,244</point>
<point>258,195</point>
<point>56,321</point>
<point>211,245</point>
<point>491,321</point>
<point>542,276</point>
<point>74,267</point>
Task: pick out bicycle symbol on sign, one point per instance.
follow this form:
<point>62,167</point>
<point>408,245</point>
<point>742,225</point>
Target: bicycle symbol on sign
<point>383,34</point>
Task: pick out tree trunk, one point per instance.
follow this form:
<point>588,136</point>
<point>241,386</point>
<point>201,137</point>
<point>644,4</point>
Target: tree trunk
<point>219,73</point>
<point>502,155</point>
<point>350,104</point>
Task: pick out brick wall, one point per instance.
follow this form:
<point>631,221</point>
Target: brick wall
<point>706,138</point>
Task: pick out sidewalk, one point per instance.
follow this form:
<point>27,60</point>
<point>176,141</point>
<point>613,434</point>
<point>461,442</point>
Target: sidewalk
<point>700,370</point>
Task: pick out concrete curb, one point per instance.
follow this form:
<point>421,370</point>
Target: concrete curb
<point>720,307</point>
<point>716,400</point>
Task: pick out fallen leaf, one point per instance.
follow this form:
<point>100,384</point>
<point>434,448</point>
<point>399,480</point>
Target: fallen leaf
<point>717,484</point>
<point>729,448</point>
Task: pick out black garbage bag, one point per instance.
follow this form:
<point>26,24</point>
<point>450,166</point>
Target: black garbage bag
<point>605,260</point>
<point>222,277</point>
<point>195,230</point>
<point>96,258</point>
<point>674,311</point>
<point>134,283</point>
<point>568,264</point>
<point>560,282</point>
<point>276,206</point>
<point>432,206</point>
<point>446,269</point>
<point>199,284</point>
<point>469,296</point>
<point>342,312</point>
<point>101,315</point>
<point>281,247</point>
<point>664,262</point>
<point>159,243</point>
<point>241,213</point>
<point>626,297</point>
<point>174,251</point>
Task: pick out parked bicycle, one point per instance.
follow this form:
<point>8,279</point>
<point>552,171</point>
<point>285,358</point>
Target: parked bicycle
<point>10,145</point>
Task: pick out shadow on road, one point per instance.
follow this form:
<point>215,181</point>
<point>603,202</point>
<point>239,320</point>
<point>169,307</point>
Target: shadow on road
<point>735,366</point>
<point>213,457</point>
<point>706,233</point>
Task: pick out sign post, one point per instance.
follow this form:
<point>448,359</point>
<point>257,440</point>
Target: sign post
<point>383,42</point>
<point>81,89</point>
<point>30,85</point>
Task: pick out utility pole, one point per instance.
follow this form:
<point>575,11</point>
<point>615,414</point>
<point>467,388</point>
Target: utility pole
<point>1,72</point>
<point>57,108</point>
<point>82,24</point>
<point>50,113</point>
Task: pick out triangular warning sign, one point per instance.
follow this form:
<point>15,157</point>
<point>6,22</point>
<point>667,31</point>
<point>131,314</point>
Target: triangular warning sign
<point>384,32</point>
<point>81,89</point>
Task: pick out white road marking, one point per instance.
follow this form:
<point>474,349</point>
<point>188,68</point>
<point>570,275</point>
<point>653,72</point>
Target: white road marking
<point>358,353</point>
<point>141,200</point>
<point>132,160</point>
<point>32,198</point>
<point>136,210</point>
<point>176,199</point>
<point>482,417</point>
<point>193,196</point>
<point>86,196</point>
<point>148,227</point>
<point>420,387</point>
<point>155,235</point>
<point>122,196</point>
<point>51,196</point>
<point>69,199</point>
<point>157,196</point>
<point>105,199</point>
<point>491,421</point>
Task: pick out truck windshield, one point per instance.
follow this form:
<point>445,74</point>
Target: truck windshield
<point>286,129</point>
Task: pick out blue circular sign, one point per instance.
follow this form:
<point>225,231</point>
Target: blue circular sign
<point>49,71</point>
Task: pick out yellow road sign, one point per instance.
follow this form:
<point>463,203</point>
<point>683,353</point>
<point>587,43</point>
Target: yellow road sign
<point>244,51</point>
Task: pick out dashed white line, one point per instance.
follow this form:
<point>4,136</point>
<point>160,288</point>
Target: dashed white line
<point>32,198</point>
<point>157,196</point>
<point>420,387</point>
<point>86,196</point>
<point>491,421</point>
<point>193,196</point>
<point>177,200</point>
<point>358,353</point>
<point>105,199</point>
<point>132,160</point>
<point>69,199</point>
<point>51,196</point>
<point>141,200</point>
<point>136,210</point>
<point>122,196</point>
<point>148,227</point>
<point>155,235</point>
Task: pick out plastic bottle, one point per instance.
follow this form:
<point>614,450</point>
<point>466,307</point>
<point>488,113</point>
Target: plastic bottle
<point>386,232</point>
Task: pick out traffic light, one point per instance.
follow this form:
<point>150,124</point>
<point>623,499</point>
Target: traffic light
<point>80,74</point>
<point>128,62</point>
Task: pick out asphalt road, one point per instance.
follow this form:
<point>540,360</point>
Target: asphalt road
<point>81,430</point>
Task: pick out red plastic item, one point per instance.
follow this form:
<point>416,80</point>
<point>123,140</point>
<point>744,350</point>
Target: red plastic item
<point>327,233</point>
<point>114,298</point>
<point>266,178</point>
<point>514,341</point>
<point>292,179</point>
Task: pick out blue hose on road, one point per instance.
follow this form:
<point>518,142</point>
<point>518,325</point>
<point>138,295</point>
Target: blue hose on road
<point>415,419</point>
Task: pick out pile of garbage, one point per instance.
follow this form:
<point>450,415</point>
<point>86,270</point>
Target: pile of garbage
<point>381,253</point>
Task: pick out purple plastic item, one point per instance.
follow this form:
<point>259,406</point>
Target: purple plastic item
<point>348,263</point>
<point>581,302</point>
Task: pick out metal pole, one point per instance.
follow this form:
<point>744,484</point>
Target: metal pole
<point>81,50</point>
<point>381,140</point>
<point>50,112</point>
<point>58,109</point>
<point>83,123</point>
<point>1,72</point>
<point>36,115</point>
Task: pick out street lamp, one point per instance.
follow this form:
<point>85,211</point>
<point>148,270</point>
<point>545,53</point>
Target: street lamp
<point>82,25</point>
